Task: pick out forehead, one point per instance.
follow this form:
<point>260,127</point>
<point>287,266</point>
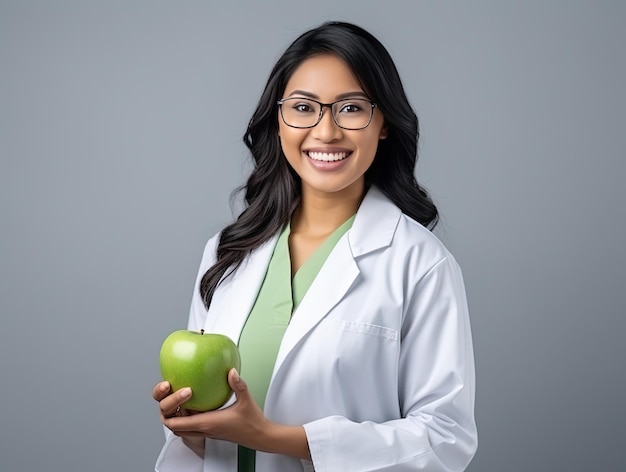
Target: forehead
<point>325,76</point>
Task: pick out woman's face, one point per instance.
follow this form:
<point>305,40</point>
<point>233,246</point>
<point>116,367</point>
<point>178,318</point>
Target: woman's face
<point>331,161</point>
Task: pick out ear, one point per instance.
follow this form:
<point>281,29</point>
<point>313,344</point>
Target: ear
<point>384,132</point>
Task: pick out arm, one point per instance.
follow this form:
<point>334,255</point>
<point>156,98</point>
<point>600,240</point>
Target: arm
<point>240,423</point>
<point>436,429</point>
<point>186,452</point>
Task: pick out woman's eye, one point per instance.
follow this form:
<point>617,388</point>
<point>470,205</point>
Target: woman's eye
<point>350,108</point>
<point>303,107</point>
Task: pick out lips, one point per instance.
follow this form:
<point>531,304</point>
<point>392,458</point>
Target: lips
<point>328,156</point>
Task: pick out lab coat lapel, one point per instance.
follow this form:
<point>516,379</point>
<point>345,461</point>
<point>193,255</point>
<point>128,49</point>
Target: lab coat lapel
<point>333,281</point>
<point>234,299</point>
<point>373,228</point>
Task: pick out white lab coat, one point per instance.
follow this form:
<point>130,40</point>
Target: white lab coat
<point>377,362</point>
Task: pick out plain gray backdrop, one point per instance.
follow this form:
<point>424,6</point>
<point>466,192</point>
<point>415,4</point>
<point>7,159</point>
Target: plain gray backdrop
<point>120,142</point>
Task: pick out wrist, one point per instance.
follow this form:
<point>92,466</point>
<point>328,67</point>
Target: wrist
<point>196,444</point>
<point>287,440</point>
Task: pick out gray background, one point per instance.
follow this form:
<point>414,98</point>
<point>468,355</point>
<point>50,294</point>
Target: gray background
<point>120,141</point>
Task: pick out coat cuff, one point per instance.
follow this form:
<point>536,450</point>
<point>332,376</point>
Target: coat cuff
<point>319,437</point>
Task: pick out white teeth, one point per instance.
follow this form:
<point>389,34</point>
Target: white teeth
<point>328,156</point>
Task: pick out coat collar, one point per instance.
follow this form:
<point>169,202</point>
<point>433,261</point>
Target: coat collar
<point>375,223</point>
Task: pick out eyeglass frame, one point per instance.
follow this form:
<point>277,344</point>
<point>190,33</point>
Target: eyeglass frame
<point>321,114</point>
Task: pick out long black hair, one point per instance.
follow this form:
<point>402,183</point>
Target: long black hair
<point>272,191</point>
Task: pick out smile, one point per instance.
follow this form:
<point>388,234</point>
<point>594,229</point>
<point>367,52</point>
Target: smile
<point>328,156</point>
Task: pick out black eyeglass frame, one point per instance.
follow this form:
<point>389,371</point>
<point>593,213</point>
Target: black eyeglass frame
<point>326,105</point>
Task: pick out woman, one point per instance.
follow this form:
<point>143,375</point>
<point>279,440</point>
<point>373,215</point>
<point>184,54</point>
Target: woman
<point>350,316</point>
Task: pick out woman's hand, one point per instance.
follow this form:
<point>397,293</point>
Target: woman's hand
<point>243,422</point>
<point>170,406</point>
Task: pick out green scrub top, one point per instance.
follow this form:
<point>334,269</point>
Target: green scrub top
<point>263,332</point>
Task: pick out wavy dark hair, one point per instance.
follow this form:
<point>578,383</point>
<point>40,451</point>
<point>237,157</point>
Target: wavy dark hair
<point>272,191</point>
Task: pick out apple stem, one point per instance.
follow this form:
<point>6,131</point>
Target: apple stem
<point>201,331</point>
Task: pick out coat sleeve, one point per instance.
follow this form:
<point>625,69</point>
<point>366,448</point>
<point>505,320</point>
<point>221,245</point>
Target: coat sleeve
<point>175,456</point>
<point>436,431</point>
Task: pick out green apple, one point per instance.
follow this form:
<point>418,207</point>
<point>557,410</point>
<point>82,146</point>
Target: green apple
<point>200,361</point>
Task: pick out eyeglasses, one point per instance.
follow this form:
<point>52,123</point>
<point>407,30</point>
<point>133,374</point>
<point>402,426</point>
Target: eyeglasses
<point>350,113</point>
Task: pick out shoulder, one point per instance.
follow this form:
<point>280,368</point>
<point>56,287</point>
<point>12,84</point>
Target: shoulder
<point>381,225</point>
<point>414,236</point>
<point>209,254</point>
<point>423,255</point>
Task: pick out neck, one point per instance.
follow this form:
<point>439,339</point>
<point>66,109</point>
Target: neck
<point>319,214</point>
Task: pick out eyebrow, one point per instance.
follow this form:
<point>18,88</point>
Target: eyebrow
<point>355,94</point>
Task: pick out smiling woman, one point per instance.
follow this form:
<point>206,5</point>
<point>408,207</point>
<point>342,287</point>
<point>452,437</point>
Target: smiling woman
<point>349,314</point>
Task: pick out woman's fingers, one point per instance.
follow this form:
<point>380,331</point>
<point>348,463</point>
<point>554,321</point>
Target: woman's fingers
<point>161,390</point>
<point>238,386</point>
<point>242,422</point>
<point>169,405</point>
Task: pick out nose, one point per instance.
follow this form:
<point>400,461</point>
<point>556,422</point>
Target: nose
<point>327,130</point>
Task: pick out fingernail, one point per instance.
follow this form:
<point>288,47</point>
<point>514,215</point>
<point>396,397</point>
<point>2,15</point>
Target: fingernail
<point>185,392</point>
<point>164,386</point>
<point>236,375</point>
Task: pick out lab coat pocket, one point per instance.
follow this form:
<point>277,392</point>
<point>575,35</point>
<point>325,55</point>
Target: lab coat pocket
<point>358,360</point>
<point>360,349</point>
<point>359,327</point>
